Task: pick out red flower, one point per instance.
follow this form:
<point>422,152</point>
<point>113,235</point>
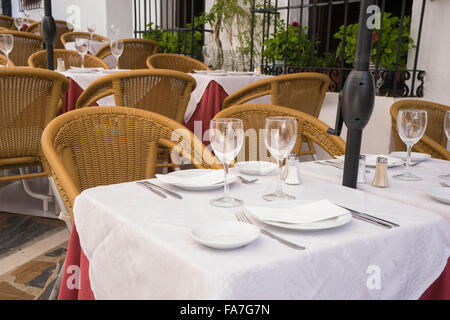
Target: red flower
<point>374,37</point>
<point>294,24</point>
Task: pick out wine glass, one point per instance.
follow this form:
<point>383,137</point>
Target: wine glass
<point>91,28</point>
<point>227,136</point>
<point>116,50</point>
<point>206,57</point>
<point>82,46</point>
<point>447,133</point>
<point>18,21</point>
<point>280,137</point>
<point>6,45</point>
<point>114,31</point>
<point>411,125</point>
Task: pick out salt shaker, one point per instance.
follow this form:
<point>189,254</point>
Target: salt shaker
<point>61,67</point>
<point>362,169</point>
<point>381,179</point>
<point>292,171</point>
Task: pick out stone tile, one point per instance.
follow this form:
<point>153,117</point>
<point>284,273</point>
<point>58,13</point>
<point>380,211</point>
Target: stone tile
<point>31,270</point>
<point>41,280</point>
<point>56,253</point>
<point>9,292</point>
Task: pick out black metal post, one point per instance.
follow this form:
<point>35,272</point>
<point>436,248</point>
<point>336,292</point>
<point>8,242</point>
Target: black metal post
<point>48,30</point>
<point>357,98</point>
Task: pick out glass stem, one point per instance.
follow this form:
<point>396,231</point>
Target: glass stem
<point>408,158</point>
<point>117,66</point>
<point>279,189</point>
<point>226,191</point>
<point>82,60</point>
<point>7,59</point>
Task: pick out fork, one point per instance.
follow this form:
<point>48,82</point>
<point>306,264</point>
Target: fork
<point>444,185</point>
<point>240,216</point>
<point>246,181</point>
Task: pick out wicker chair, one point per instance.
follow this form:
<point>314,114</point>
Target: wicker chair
<point>304,92</point>
<point>71,59</point>
<point>434,142</point>
<point>135,53</point>
<point>3,61</point>
<point>25,44</point>
<point>29,100</point>
<point>162,91</point>
<point>107,145</point>
<point>253,116</point>
<point>174,62</point>
<point>71,36</point>
<point>7,22</point>
<point>61,28</point>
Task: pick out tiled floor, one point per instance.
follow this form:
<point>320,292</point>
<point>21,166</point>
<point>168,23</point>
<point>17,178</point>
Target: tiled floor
<point>32,248</point>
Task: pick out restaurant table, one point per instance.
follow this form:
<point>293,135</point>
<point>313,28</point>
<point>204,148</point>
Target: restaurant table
<point>130,244</point>
<point>206,100</point>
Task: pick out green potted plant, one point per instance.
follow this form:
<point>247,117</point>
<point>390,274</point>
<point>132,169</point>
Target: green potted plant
<point>387,44</point>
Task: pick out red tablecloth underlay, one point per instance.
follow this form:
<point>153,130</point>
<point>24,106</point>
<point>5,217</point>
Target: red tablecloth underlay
<point>75,284</point>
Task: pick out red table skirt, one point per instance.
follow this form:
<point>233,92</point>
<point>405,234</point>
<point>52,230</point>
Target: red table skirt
<point>75,284</point>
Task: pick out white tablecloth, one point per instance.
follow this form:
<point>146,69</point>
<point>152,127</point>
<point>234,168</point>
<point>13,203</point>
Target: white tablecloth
<point>230,84</point>
<point>85,79</point>
<point>139,247</point>
<point>409,192</point>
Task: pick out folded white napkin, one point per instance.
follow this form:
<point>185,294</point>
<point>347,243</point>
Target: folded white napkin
<point>308,213</point>
<point>204,180</point>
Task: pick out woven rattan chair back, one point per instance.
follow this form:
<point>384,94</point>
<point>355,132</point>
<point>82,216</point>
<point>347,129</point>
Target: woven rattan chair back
<point>71,59</point>
<point>3,61</point>
<point>25,44</point>
<point>434,142</point>
<point>6,22</point>
<point>165,92</point>
<point>71,36</point>
<point>253,117</point>
<point>135,53</point>
<point>61,27</point>
<point>304,92</point>
<point>106,145</point>
<point>29,100</point>
<point>176,62</point>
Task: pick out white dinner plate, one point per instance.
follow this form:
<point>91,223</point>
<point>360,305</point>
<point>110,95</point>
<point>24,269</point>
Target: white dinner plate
<point>217,74</point>
<point>240,73</point>
<point>199,172</point>
<point>440,194</point>
<point>319,225</point>
<point>225,234</point>
<point>256,168</point>
<point>415,156</point>
<point>371,160</point>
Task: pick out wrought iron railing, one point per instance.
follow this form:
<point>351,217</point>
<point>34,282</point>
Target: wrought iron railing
<point>30,4</point>
<point>303,35</point>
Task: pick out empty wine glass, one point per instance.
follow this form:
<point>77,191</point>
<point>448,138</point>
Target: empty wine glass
<point>114,31</point>
<point>227,136</point>
<point>447,133</point>
<point>205,53</point>
<point>116,50</point>
<point>280,137</point>
<point>91,28</point>
<point>82,46</point>
<point>411,125</point>
<point>6,45</point>
<point>18,21</point>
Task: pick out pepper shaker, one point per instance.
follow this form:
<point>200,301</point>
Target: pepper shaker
<point>61,67</point>
<point>291,173</point>
<point>381,179</point>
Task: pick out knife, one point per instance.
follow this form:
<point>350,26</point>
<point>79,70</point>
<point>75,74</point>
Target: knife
<point>143,185</point>
<point>170,193</point>
<point>368,216</point>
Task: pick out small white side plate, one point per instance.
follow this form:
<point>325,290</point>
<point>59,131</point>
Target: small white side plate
<point>415,156</point>
<point>225,234</point>
<point>256,168</point>
<point>197,172</point>
<point>440,194</point>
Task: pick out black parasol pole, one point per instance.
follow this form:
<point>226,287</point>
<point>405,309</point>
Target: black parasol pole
<point>48,31</point>
<point>357,98</point>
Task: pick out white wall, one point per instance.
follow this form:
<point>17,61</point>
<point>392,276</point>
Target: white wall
<point>103,13</point>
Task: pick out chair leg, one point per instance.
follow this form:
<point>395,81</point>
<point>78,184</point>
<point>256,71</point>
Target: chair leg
<point>57,285</point>
<point>45,198</point>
